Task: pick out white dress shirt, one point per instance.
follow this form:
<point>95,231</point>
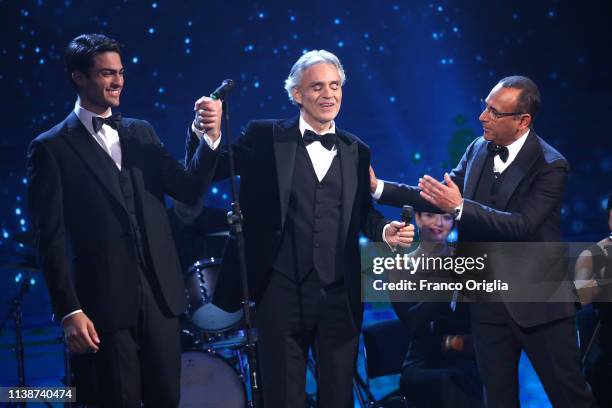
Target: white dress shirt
<point>320,157</point>
<point>513,149</point>
<point>107,137</point>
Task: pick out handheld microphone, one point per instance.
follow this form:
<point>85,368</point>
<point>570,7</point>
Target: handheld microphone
<point>407,214</point>
<point>225,88</point>
<point>218,94</point>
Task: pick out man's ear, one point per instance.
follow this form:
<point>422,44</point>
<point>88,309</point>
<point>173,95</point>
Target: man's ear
<point>526,120</point>
<point>78,78</point>
<point>297,95</point>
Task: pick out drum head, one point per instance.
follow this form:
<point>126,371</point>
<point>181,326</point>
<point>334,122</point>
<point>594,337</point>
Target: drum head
<point>208,381</point>
<point>200,282</point>
<point>214,319</point>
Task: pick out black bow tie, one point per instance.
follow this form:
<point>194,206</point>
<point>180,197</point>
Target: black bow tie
<point>328,140</point>
<point>495,150</point>
<point>113,121</point>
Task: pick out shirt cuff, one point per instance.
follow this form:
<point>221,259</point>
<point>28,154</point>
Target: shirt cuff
<point>204,136</point>
<point>459,211</point>
<point>379,190</point>
<point>70,314</point>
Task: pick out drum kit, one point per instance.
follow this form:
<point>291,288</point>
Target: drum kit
<point>214,370</point>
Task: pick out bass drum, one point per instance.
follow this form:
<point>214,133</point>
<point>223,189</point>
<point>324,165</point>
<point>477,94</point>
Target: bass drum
<point>200,283</point>
<point>209,381</point>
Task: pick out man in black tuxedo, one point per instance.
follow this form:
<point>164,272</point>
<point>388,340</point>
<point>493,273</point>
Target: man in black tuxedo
<point>305,197</point>
<point>509,187</point>
<point>96,198</point>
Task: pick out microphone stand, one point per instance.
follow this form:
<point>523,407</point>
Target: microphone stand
<point>234,219</point>
<point>17,314</point>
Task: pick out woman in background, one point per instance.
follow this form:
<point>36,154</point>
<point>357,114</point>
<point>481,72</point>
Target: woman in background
<point>594,284</point>
<point>439,369</point>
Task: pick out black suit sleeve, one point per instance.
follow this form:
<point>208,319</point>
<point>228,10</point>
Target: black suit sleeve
<point>184,183</point>
<point>241,151</point>
<point>397,195</point>
<point>46,209</point>
<point>545,195</point>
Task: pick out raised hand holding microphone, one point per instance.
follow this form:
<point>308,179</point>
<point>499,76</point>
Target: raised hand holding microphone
<point>208,110</point>
<point>208,116</point>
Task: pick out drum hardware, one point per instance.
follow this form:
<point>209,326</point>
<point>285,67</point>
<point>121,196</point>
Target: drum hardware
<point>219,335</point>
<point>200,285</point>
<point>16,313</point>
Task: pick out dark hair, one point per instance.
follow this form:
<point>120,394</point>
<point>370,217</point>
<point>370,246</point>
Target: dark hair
<point>80,52</point>
<point>529,99</point>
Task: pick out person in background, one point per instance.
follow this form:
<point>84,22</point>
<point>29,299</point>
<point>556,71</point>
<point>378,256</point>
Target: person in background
<point>439,369</point>
<point>593,276</point>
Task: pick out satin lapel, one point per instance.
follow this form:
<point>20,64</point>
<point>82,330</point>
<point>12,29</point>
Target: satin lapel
<point>129,160</point>
<point>84,145</point>
<point>348,155</point>
<point>526,157</point>
<point>473,171</point>
<point>126,141</point>
<point>285,138</point>
<point>132,163</point>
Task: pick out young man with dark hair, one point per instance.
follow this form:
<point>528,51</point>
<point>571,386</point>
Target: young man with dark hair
<point>96,198</point>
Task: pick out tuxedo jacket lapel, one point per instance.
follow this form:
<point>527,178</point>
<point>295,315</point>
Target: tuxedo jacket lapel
<point>84,145</point>
<point>348,155</point>
<point>526,157</point>
<point>285,139</point>
<point>473,171</point>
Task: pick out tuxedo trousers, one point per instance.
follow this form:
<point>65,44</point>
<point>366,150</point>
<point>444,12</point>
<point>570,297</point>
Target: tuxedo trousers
<point>552,349</point>
<point>136,364</point>
<point>294,318</point>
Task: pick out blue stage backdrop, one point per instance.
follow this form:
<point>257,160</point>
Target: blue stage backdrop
<point>416,71</point>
